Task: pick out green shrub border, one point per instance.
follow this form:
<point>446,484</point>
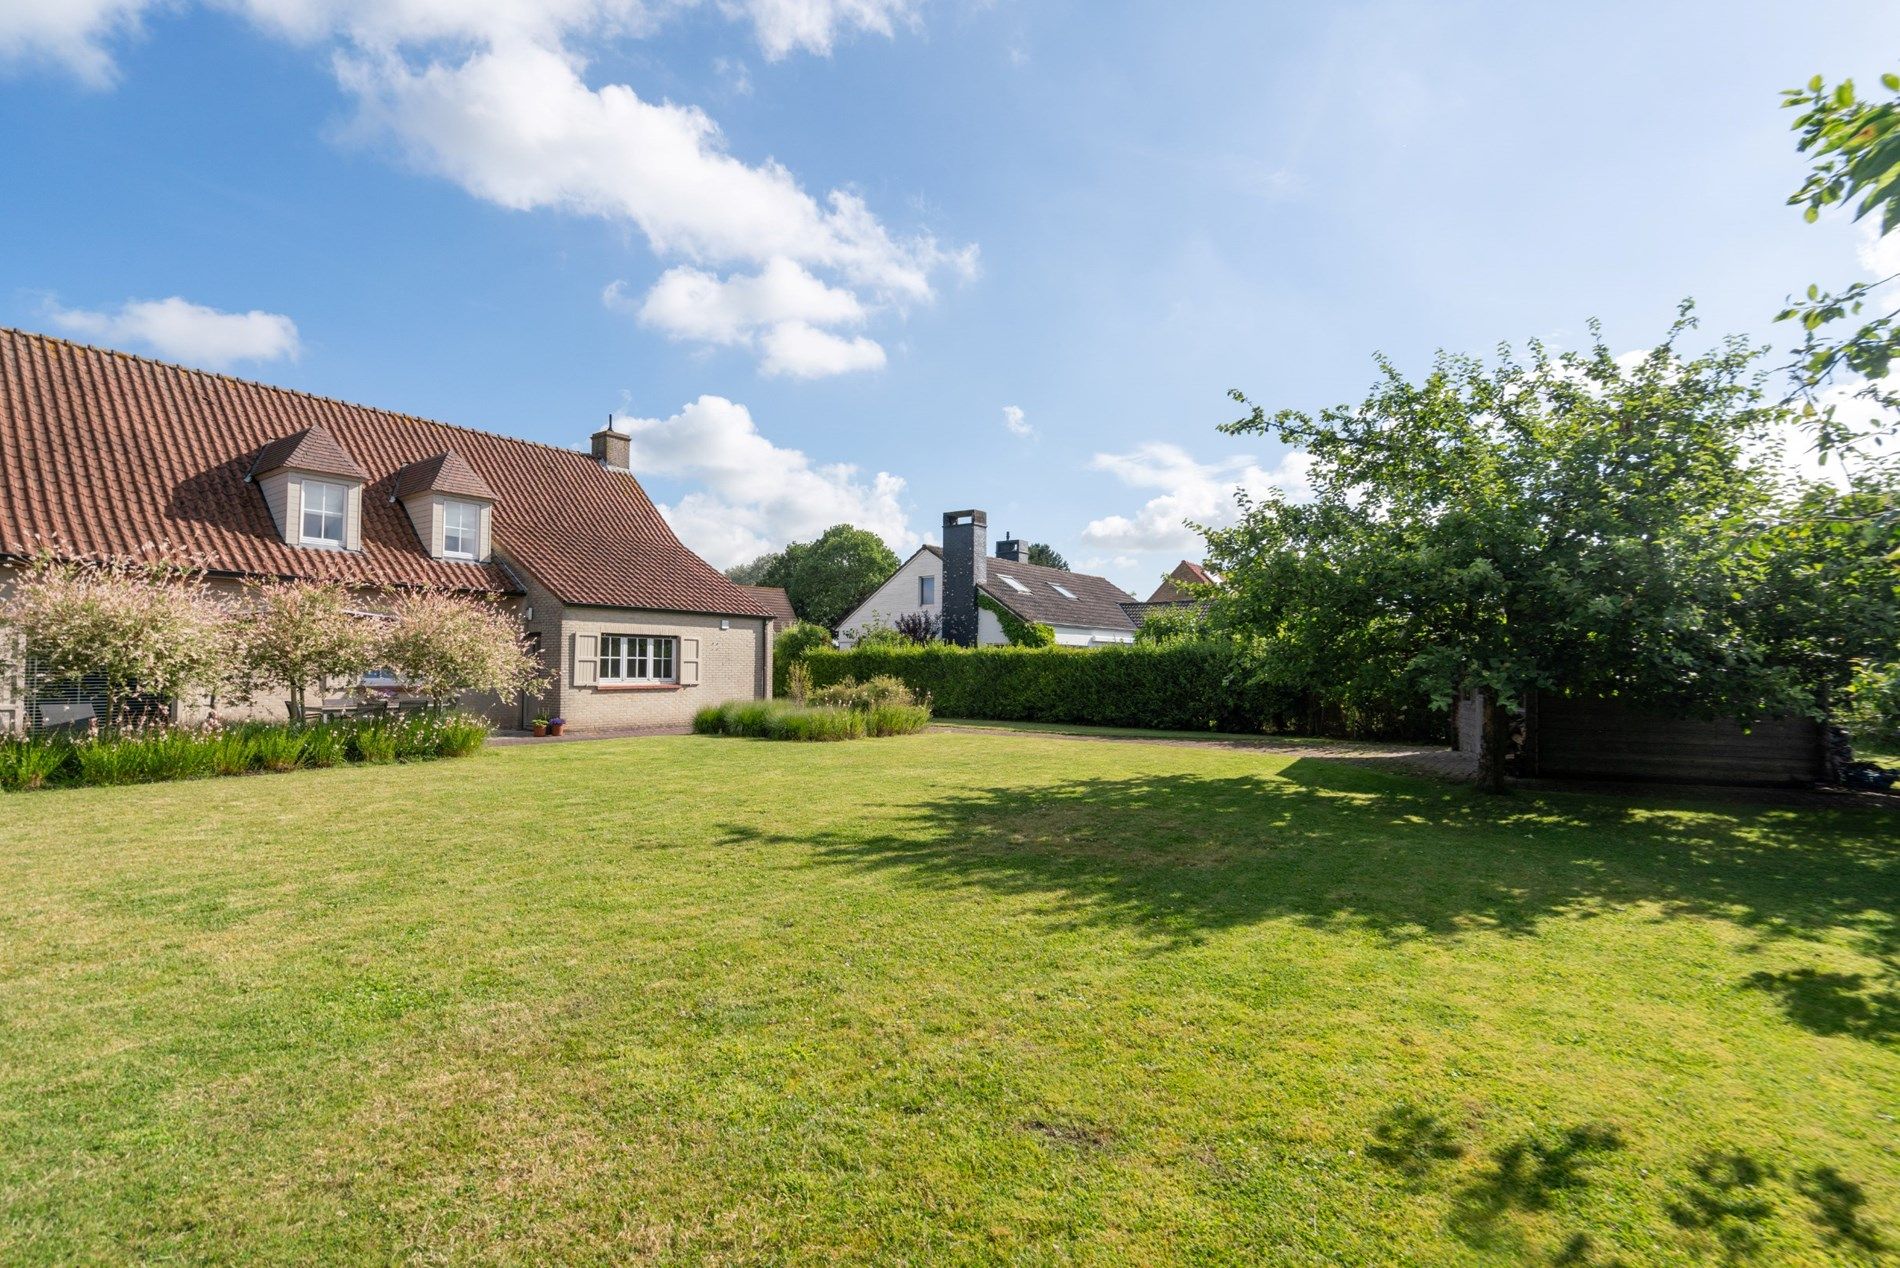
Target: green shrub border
<point>782,720</point>
<point>39,762</point>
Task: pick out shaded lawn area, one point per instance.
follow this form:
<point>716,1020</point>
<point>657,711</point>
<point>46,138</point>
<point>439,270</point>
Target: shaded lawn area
<point>956,997</point>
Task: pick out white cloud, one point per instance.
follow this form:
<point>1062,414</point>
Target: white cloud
<point>1190,490</point>
<point>1015,423</point>
<point>183,331</point>
<point>1879,253</point>
<point>72,34</point>
<point>755,496</point>
<point>797,350</point>
<point>785,26</point>
<point>781,310</point>
<point>492,95</point>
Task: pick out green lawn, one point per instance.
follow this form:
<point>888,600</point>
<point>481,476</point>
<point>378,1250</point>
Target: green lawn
<point>957,997</point>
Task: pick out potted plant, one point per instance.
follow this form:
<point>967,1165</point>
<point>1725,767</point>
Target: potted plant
<point>556,725</point>
<point>541,725</point>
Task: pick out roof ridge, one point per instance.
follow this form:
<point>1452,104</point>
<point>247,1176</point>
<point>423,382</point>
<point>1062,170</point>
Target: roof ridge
<point>277,387</point>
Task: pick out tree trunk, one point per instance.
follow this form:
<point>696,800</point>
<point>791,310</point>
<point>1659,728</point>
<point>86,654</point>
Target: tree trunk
<point>1495,741</point>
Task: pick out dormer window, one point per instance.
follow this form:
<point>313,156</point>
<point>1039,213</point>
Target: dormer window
<point>326,509</point>
<point>461,530</point>
<point>313,488</point>
<point>451,506</point>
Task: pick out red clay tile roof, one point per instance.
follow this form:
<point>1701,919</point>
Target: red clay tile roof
<point>445,473</point>
<point>313,449</point>
<point>1169,592</point>
<point>103,452</point>
<point>777,602</point>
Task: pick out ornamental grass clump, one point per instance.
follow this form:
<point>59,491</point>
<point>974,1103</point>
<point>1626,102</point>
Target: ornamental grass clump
<point>817,722</point>
<point>32,763</point>
<point>278,749</point>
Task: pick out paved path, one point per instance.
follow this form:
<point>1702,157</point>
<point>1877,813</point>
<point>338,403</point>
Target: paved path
<point>505,738</point>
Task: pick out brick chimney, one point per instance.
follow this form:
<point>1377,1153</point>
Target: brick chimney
<point>613,449</point>
<point>964,569</point>
<point>1014,549</point>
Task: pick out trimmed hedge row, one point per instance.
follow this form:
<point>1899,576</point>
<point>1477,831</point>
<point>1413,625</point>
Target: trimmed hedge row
<point>1176,685</point>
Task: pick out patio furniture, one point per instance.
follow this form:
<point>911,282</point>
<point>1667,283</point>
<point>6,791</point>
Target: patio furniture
<point>67,715</point>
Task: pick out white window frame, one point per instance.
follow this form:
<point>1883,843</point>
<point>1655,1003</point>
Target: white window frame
<point>474,534</point>
<point>1064,591</point>
<point>638,660</point>
<point>342,515</point>
<point>927,591</point>
<point>1013,584</point>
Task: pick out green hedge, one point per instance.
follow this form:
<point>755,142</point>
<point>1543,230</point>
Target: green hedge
<point>1174,685</point>
<point>1180,686</point>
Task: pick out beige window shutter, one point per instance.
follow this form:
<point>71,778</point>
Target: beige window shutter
<point>586,660</point>
<point>689,662</point>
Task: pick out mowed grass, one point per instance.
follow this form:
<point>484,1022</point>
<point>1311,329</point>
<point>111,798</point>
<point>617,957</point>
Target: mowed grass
<point>957,997</point>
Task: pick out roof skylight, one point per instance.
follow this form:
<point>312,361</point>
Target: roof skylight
<point>1014,584</point>
<point>1064,591</point>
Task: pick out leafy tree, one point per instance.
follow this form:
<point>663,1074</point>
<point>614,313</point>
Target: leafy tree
<point>300,633</point>
<point>752,572</point>
<point>1564,522</point>
<point>1855,145</point>
<point>826,579</point>
<point>450,645</point>
<point>1046,555</point>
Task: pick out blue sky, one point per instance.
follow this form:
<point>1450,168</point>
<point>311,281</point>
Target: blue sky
<point>872,259</point>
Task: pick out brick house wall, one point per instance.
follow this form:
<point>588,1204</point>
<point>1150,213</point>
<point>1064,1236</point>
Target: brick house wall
<point>733,663</point>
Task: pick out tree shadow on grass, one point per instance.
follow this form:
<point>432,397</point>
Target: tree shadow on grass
<point>1412,1141</point>
<point>1528,1174</point>
<point>1830,1003</point>
<point>1179,857</point>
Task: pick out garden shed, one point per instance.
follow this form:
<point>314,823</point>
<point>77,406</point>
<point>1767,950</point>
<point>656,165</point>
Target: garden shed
<point>1581,737</point>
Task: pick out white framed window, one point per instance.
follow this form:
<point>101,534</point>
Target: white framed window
<point>325,510</point>
<point>638,658</point>
<point>926,591</point>
<point>1014,584</point>
<point>461,530</point>
<point>1064,591</point>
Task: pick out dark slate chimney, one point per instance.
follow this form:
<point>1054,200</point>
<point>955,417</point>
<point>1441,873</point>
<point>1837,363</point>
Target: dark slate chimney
<point>964,569</point>
<point>613,449</point>
<point>1014,549</point>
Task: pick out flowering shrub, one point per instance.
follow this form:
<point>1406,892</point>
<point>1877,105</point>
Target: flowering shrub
<point>299,633</point>
<point>448,646</point>
<point>142,628</point>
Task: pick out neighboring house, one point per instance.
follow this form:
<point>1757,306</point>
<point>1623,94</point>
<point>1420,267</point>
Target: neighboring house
<point>1169,596</point>
<point>944,582</point>
<point>776,602</point>
<point>1185,573</point>
<point>103,453</point>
